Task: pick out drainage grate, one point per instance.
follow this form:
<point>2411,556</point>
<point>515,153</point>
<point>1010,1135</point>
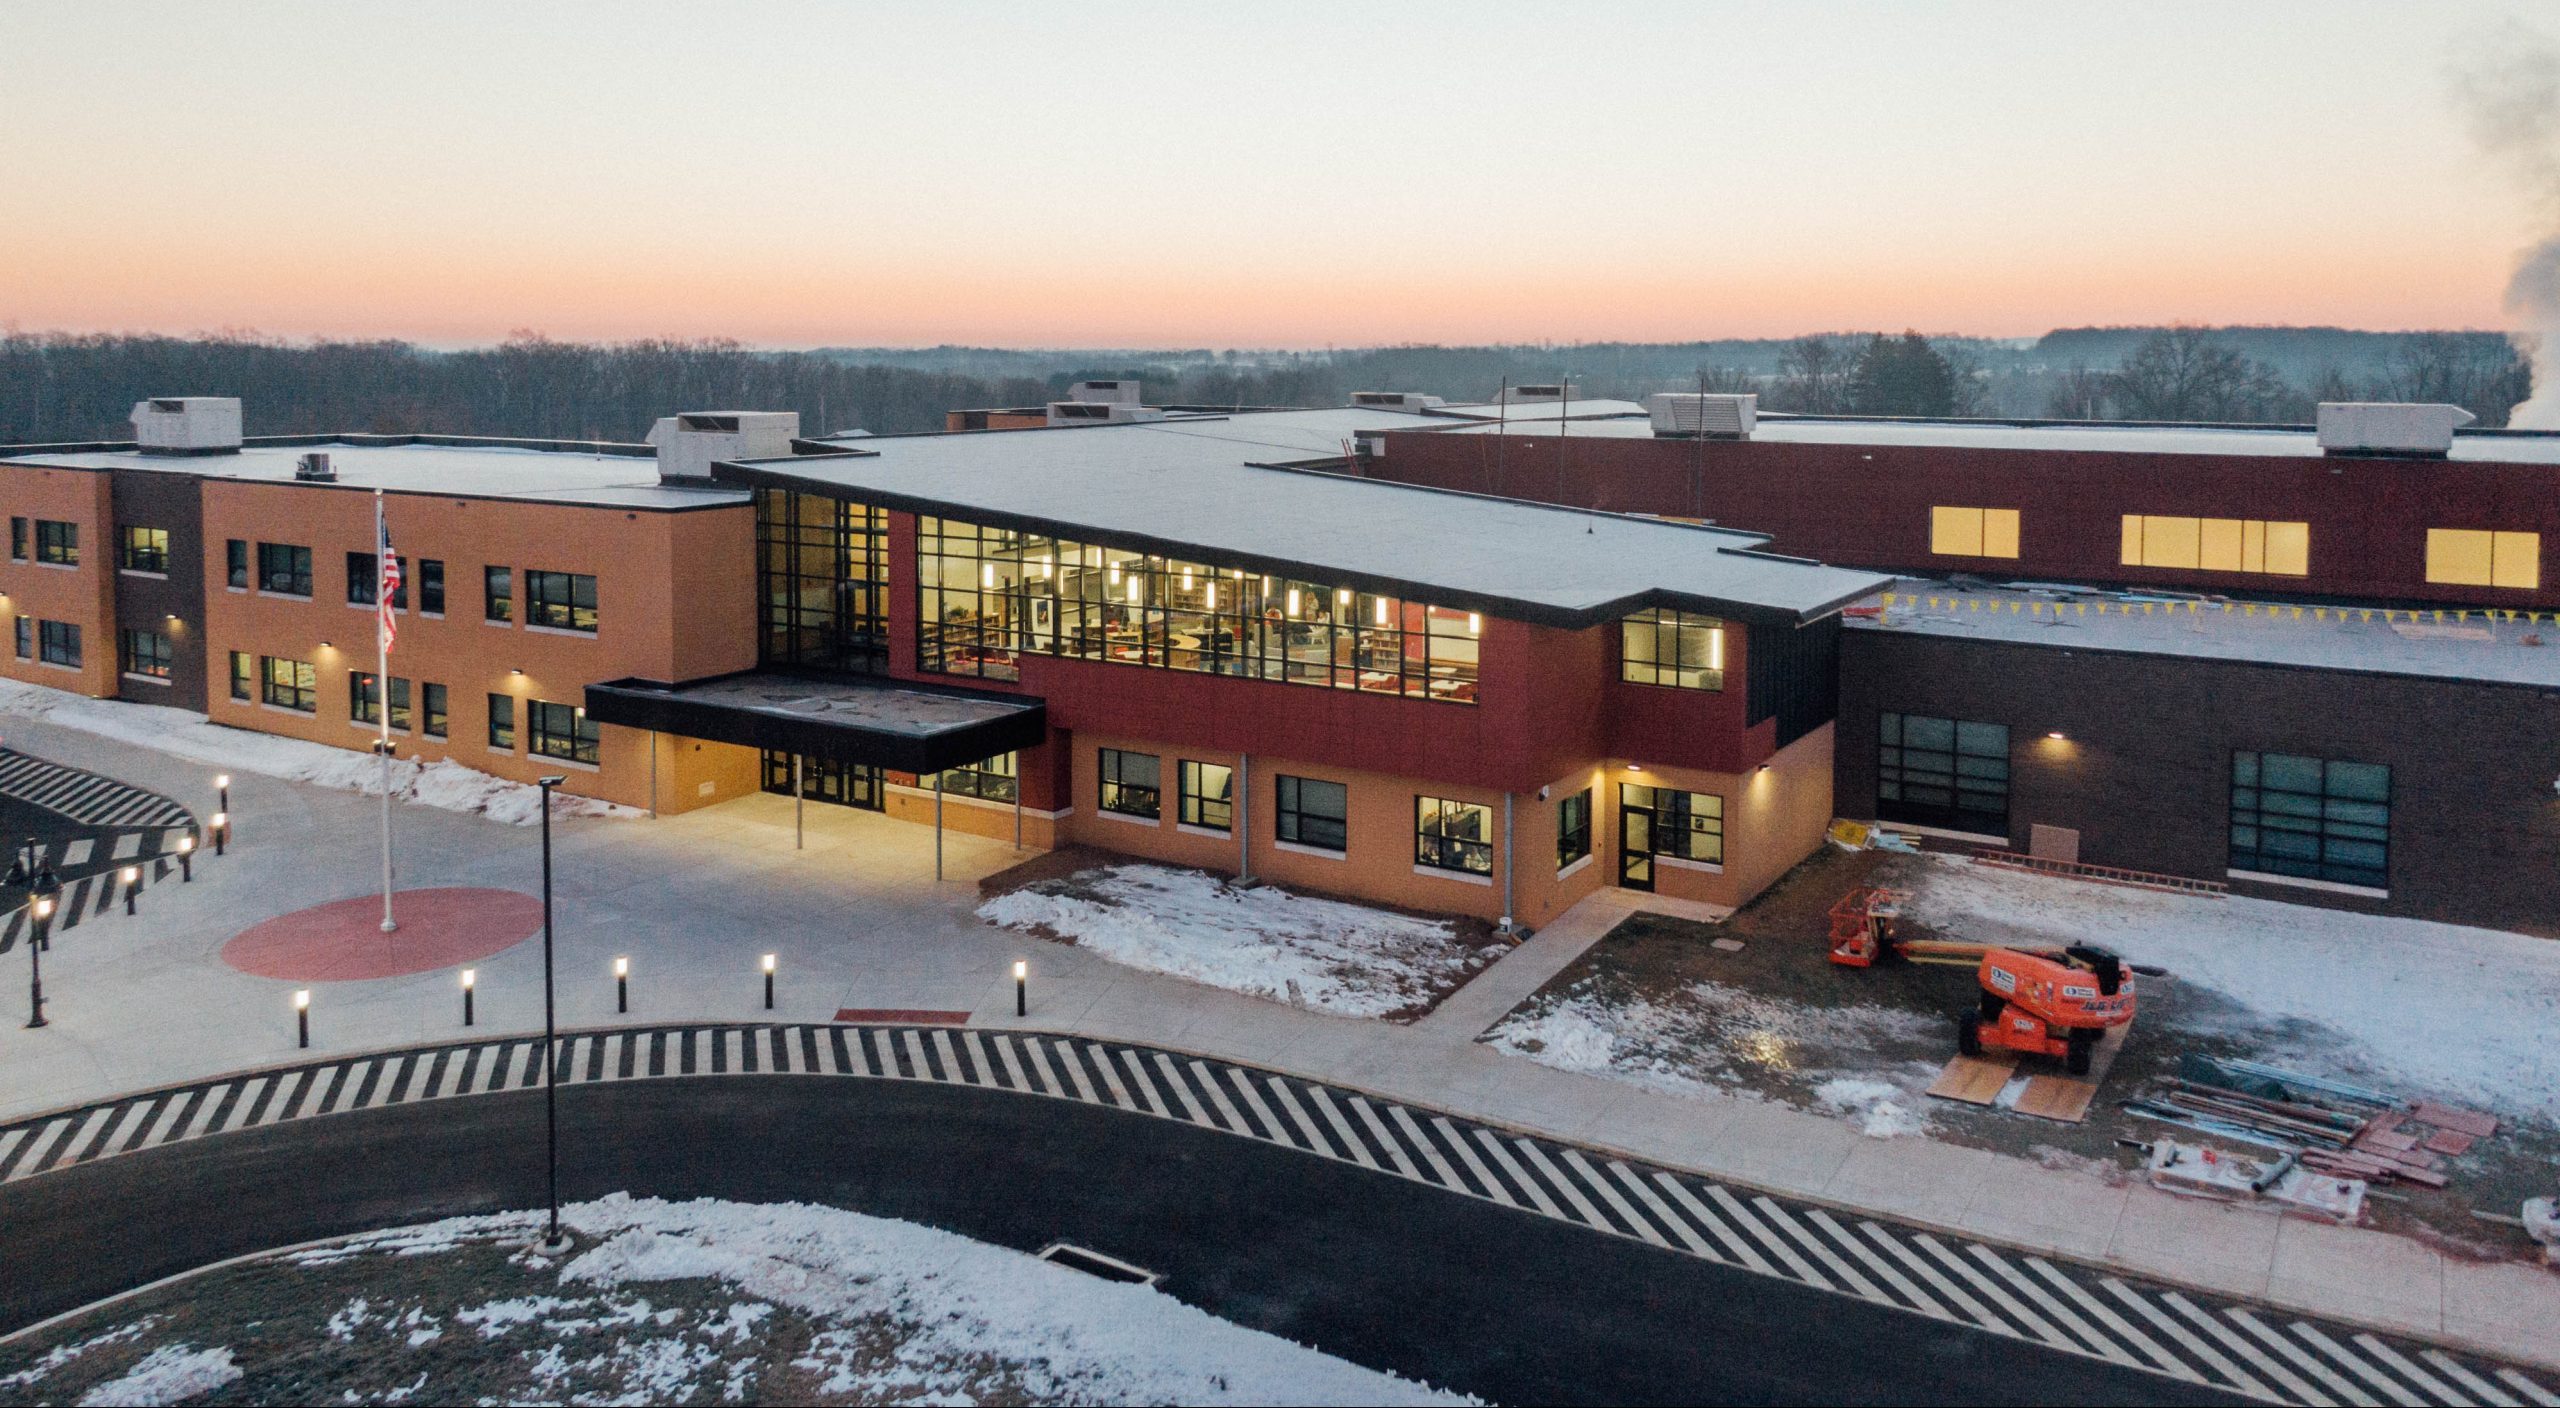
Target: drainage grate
<point>1094,1263</point>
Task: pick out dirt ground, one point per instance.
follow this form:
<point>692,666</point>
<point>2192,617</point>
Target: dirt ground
<point>1896,1023</point>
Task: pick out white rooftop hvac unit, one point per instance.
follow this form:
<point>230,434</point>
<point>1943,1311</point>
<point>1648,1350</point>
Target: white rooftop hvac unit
<point>2405,429</point>
<point>1394,401</point>
<point>1110,393</point>
<point>1100,412</point>
<point>1713,417</point>
<point>1532,394</point>
<point>689,444</point>
<point>187,425</point>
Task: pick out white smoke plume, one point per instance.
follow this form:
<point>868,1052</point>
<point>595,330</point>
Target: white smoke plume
<point>2507,86</point>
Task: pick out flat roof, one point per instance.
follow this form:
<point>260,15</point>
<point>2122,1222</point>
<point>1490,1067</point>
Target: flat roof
<point>2425,641</point>
<point>2281,441</point>
<point>1210,489</point>
<point>886,723</point>
<point>603,475</point>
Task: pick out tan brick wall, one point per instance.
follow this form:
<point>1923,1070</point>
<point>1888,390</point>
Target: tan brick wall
<point>83,596</point>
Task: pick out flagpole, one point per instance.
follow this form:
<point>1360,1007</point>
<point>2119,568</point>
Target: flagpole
<point>382,698</point>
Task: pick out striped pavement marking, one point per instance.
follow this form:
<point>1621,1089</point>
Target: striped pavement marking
<point>2185,1335</point>
<point>88,897</point>
<point>85,797</point>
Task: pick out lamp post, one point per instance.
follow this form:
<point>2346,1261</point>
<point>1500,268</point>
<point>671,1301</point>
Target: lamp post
<point>622,985</point>
<point>46,893</point>
<point>221,826</point>
<point>132,878</point>
<point>552,1241</point>
<point>222,793</point>
<point>43,911</point>
<point>302,1017</point>
<point>186,860</point>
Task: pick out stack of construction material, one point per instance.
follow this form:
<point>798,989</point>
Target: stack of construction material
<point>2330,1126</point>
<point>2195,1171</point>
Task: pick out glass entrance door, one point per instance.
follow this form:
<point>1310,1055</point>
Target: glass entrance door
<point>842,784</point>
<point>1635,847</point>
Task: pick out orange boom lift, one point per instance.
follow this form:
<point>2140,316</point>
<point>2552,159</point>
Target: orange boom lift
<point>2046,1002</point>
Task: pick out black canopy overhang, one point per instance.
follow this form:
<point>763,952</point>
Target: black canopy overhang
<point>766,476</point>
<point>714,709</point>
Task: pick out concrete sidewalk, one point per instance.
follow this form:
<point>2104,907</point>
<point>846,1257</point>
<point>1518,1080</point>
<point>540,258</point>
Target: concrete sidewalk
<point>860,923</point>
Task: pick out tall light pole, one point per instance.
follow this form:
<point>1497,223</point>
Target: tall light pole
<point>552,1241</point>
<point>42,911</point>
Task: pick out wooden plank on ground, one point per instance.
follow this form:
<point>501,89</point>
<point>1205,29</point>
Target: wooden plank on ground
<point>1975,1080</point>
<point>2063,1098</point>
<point>2471,1122</point>
<point>2450,1141</point>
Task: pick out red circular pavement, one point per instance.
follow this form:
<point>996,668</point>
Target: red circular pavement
<point>343,941</point>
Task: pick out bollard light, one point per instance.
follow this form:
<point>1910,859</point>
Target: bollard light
<point>1021,987</point>
<point>186,859</point>
<point>622,985</point>
<point>302,1015</point>
<point>470,978</point>
<point>132,878</point>
<point>222,793</point>
<point>768,982</point>
<point>221,825</point>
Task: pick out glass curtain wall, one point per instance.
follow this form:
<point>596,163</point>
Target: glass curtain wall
<point>822,571</point>
<point>991,596</point>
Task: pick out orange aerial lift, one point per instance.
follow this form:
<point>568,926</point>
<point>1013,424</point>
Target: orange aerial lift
<point>2047,1002</point>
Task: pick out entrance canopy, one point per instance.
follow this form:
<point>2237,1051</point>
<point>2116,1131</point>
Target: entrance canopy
<point>893,724</point>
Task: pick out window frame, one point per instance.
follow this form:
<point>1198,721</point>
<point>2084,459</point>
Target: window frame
<point>1661,626</point>
<point>498,595</point>
<point>436,718</point>
<point>1896,773</point>
<point>18,537</point>
<point>57,543</point>
<point>235,563</point>
<point>570,613</point>
<point>295,571</point>
<point>1573,828</point>
<point>1194,807</point>
<point>244,677</point>
<point>1436,844</point>
<point>137,552</point>
<point>502,722</point>
<point>59,643</point>
<point>1119,793</point>
<point>996,779</point>
<point>2339,818</point>
<point>2508,560</point>
<point>430,586</point>
<point>296,691</point>
<point>1291,816</point>
<point>131,658</point>
<point>582,741</point>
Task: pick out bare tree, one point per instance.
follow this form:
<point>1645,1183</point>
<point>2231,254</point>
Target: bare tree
<point>2182,373</point>
<point>1814,375</point>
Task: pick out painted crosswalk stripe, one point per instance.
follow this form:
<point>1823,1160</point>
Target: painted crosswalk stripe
<point>883,1055</point>
<point>1101,1060</point>
<point>2390,1389</point>
<point>2065,1319</point>
<point>1004,1057</point>
<point>1748,1223</point>
<point>913,1049</point>
<point>1181,1088</point>
<point>1394,1146</point>
<point>1065,1054</point>
<point>153,1132</point>
<point>1680,1228</point>
<point>1911,1294</point>
<point>1966,1307</point>
<point>2259,1361</point>
<point>1341,1127</point>
<point>253,1093</point>
<point>1592,1179</point>
<point>2124,1331</point>
<point>1492,1186</point>
<point>2267,1336</point>
<point>2159,1320</point>
<point>2478,1387</point>
<point>1841,1271</point>
<point>953,1069</point>
<point>98,1132</point>
<point>10,1142</point>
<point>1312,1140</point>
<point>1511,1168</point>
<point>77,853</point>
<point>1537,1161</point>
<point>2528,1388</point>
<point>2400,1363</point>
<point>1738,1247</point>
<point>1253,1105</point>
<point>1422,1146</point>
<point>1218,1102</point>
<point>1992,1291</point>
<point>39,1150</point>
<point>1151,1101</point>
<point>1045,1068</point>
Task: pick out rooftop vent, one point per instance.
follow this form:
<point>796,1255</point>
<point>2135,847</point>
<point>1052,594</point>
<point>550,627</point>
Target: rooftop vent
<point>314,468</point>
<point>1100,412</point>
<point>1110,393</point>
<point>187,425</point>
<point>1552,391</point>
<point>1688,415</point>
<point>1394,401</point>
<point>689,444</point>
<point>2389,428</point>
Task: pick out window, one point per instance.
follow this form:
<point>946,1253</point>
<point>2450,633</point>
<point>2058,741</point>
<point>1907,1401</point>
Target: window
<point>822,572</point>
<point>2471,557</point>
<point>502,722</point>
<point>363,575</point>
<point>1665,647</point>
<point>1208,796</point>
<point>284,570</point>
<point>1686,825</point>
<point>498,593</point>
<point>235,562</point>
<point>244,676</point>
<point>26,637</point>
<point>562,731</point>
<point>2218,544</point>
<point>58,643</point>
<point>289,684</point>
<point>991,596</point>
<point>1973,532</point>
<point>1573,828</point>
<point>1453,835</point>
<point>1132,784</point>
<point>143,550</point>
<point>364,700</point>
<point>430,586</point>
<point>2311,818</point>
<point>993,780</point>
<point>1313,812</point>
<point>563,601</point>
<point>57,543</point>
<point>17,540</point>
<point>144,653</point>
<point>1952,773</point>
<point>435,721</point>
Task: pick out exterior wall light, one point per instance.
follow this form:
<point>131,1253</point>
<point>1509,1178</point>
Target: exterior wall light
<point>2057,736</point>
<point>1635,767</point>
<point>515,672</point>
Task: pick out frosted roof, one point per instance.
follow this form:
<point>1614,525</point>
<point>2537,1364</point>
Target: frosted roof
<point>1195,488</point>
<point>475,471</point>
<point>2124,439</point>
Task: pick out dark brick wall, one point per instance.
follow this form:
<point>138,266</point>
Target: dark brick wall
<point>154,499</point>
<point>2143,770</point>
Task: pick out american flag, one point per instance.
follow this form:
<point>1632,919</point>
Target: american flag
<point>387,584</point>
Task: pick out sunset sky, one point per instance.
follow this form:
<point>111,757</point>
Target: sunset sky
<point>1296,174</point>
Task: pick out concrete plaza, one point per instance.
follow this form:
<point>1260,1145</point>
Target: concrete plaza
<point>857,920</point>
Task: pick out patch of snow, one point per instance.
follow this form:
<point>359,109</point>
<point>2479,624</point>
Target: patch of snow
<point>445,784</point>
<point>1874,1106</point>
<point>61,1356</point>
<point>1345,959</point>
<point>172,1373</point>
<point>2407,1004</point>
<point>495,1318</point>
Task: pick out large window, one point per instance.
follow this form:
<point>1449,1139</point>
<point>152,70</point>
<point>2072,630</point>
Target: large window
<point>562,731</point>
<point>289,684</point>
<point>1943,772</point>
<point>1573,828</point>
<point>2311,818</point>
<point>57,543</point>
<point>1686,825</point>
<point>58,643</point>
<point>1674,648</point>
<point>561,601</point>
<point>498,593</point>
<point>363,585</point>
<point>244,676</point>
<point>991,596</point>
<point>17,540</point>
<point>364,700</point>
<point>284,569</point>
<point>1313,812</point>
<point>1208,796</point>
<point>430,586</point>
<point>235,564</point>
<point>434,726</point>
<point>1973,532</point>
<point>1132,784</point>
<point>502,722</point>
<point>144,653</point>
<point>26,637</point>
<point>1451,835</point>
<point>2218,544</point>
<point>2472,557</point>
<point>994,780</point>
<point>822,569</point>
<point>143,550</point>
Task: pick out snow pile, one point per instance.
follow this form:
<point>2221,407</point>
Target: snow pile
<point>447,785</point>
<point>172,1373</point>
<point>1345,959</point>
<point>1874,1106</point>
<point>2409,1005</point>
